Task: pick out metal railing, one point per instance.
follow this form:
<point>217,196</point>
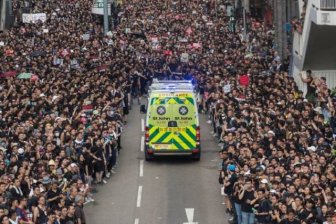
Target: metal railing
<point>328,4</point>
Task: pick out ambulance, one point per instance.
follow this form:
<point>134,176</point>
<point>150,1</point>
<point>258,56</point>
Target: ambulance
<point>172,125</point>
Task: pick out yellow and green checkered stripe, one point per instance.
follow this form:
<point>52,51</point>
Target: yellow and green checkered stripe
<point>172,100</point>
<point>185,140</point>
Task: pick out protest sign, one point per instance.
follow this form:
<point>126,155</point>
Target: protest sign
<point>154,39</point>
<point>227,88</point>
<point>86,36</point>
<point>181,39</point>
<point>184,57</point>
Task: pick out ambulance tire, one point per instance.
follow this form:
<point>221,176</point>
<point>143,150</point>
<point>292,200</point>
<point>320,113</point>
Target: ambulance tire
<point>196,157</point>
<point>148,157</point>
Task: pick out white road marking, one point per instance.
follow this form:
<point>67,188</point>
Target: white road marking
<point>136,221</point>
<point>141,168</point>
<point>190,216</point>
<point>142,143</point>
<point>139,197</point>
<point>142,125</point>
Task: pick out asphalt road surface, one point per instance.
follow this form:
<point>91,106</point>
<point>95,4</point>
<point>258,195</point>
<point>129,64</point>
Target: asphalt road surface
<point>162,191</point>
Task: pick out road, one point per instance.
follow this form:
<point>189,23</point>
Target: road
<point>160,191</point>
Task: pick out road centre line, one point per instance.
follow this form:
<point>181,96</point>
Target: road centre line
<point>141,168</point>
<point>142,143</point>
<point>136,221</point>
<point>139,197</point>
<point>142,125</point>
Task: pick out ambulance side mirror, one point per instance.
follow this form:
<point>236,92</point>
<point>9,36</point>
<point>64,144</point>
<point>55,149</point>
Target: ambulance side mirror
<point>143,109</point>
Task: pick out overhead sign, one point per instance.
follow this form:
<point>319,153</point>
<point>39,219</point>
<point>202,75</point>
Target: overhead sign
<point>98,7</point>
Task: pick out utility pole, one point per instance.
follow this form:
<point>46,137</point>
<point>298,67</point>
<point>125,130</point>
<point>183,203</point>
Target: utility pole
<point>106,23</point>
<point>280,31</point>
<point>216,9</point>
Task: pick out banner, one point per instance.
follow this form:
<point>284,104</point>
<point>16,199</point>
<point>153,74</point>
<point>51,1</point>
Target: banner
<point>33,17</point>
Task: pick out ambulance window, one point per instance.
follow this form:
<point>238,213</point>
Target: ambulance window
<point>172,124</point>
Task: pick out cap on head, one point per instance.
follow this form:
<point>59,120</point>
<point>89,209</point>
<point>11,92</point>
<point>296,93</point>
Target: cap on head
<point>231,167</point>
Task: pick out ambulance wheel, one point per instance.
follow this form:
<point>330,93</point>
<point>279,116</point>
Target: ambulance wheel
<point>148,157</point>
<point>197,156</point>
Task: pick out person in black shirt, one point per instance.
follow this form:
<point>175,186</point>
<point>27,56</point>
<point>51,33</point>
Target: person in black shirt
<point>248,200</point>
<point>71,218</point>
<point>51,217</point>
<point>290,218</point>
<point>229,182</point>
<point>40,212</point>
<point>53,195</point>
<point>99,161</point>
<point>63,215</point>
<point>33,201</point>
<point>264,208</point>
<point>70,200</point>
<point>237,188</point>
<point>308,213</point>
<point>16,191</point>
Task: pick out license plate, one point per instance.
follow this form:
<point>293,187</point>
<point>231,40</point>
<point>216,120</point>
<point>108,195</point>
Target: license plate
<point>172,129</point>
<point>161,146</point>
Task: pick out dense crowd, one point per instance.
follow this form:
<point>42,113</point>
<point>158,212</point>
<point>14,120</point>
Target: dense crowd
<point>278,145</point>
<point>62,112</point>
<point>68,92</point>
<point>278,151</point>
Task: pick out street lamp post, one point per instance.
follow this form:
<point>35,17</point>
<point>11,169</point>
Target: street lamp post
<point>106,23</point>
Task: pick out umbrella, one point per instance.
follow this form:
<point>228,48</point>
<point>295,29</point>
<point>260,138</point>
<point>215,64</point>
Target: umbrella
<point>24,75</point>
<point>34,78</point>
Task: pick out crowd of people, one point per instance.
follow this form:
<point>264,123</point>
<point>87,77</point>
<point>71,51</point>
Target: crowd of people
<point>278,145</point>
<point>278,150</point>
<point>67,89</point>
<point>62,112</point>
